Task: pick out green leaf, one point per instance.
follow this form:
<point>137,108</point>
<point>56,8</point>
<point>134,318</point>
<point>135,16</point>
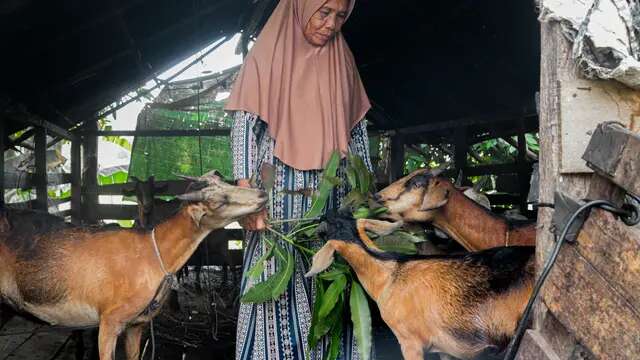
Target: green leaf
<point>336,339</point>
<point>362,173</point>
<point>351,176</point>
<point>329,299</point>
<point>397,244</point>
<point>361,318</point>
<point>273,287</point>
<point>325,188</point>
<point>258,268</point>
<point>312,338</point>
<point>332,274</point>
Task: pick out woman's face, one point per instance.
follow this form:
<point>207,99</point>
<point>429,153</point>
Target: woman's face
<point>326,22</point>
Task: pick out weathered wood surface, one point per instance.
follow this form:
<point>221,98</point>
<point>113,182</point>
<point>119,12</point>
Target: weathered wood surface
<point>585,104</point>
<point>614,152</point>
<point>613,250</point>
<point>535,347</point>
<point>585,302</point>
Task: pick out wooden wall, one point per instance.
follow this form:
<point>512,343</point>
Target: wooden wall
<point>589,307</point>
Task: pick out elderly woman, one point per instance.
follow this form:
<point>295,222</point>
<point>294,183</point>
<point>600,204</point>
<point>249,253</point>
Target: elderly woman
<point>297,99</point>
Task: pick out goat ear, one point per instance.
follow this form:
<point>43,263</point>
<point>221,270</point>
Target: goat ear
<point>197,212</point>
<point>321,260</point>
<point>433,200</point>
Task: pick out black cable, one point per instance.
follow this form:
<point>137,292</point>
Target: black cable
<point>512,349</point>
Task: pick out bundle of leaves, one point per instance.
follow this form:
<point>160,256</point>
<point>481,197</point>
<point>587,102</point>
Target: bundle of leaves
<point>338,292</point>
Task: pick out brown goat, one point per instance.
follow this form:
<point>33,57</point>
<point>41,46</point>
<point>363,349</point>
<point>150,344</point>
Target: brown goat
<point>75,276</point>
<point>424,197</point>
<point>152,211</point>
<point>463,305</point>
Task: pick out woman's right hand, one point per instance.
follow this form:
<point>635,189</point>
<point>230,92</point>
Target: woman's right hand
<point>254,222</point>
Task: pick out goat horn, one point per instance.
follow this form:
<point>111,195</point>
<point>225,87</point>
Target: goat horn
<point>192,196</point>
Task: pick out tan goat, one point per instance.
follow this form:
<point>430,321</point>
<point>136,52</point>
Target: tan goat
<point>424,197</point>
<point>77,277</point>
<point>462,305</point>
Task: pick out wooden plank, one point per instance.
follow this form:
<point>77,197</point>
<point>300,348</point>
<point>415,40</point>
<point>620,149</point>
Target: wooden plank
<point>462,122</point>
<point>41,123</point>
<point>584,105</point>
<point>90,175</point>
<point>535,347</point>
<point>173,187</point>
<point>25,180</point>
<point>460,152</point>
<point>613,250</point>
<point>396,158</point>
<point>76,182</point>
<point>40,177</point>
<point>613,152</point>
<point>20,139</point>
<point>160,133</point>
<point>495,169</point>
<point>116,212</point>
<point>583,301</point>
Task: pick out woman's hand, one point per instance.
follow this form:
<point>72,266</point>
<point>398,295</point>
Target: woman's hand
<point>254,222</point>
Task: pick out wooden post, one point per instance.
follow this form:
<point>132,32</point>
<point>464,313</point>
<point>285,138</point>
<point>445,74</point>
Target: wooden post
<point>2,150</point>
<point>397,158</point>
<point>524,170</point>
<point>40,176</point>
<point>90,174</point>
<point>76,182</point>
<point>460,152</point>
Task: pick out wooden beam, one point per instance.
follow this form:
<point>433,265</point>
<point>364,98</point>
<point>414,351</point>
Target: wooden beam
<point>496,169</point>
<point>51,127</point>
<point>116,212</point>
<point>613,153</point>
<point>90,175</point>
<point>223,40</point>
<point>25,180</point>
<point>173,187</point>
<point>40,179</point>
<point>76,182</point>
<point>20,139</point>
<point>160,133</point>
<point>460,151</point>
<point>396,158</point>
<point>524,169</point>
<point>462,122</point>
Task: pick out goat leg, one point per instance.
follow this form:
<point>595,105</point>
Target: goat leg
<point>133,334</point>
<point>108,337</point>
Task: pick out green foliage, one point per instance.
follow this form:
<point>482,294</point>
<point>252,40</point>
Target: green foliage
<point>274,286</point>
<point>361,318</point>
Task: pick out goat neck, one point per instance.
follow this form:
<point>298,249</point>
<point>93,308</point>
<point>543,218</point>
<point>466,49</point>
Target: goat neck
<point>178,238</point>
<point>470,224</point>
<point>374,274</point>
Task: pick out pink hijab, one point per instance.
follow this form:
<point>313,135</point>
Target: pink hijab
<point>311,97</point>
